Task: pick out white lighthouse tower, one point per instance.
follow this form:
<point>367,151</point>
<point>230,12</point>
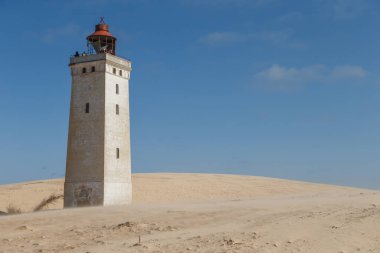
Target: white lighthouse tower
<point>98,165</point>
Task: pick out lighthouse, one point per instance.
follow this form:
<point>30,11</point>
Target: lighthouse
<point>98,164</point>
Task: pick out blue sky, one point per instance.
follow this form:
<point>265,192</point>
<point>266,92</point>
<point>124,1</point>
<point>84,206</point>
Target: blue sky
<point>287,89</point>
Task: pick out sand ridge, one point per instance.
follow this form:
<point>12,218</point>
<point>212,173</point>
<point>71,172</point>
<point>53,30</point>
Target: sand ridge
<point>170,187</point>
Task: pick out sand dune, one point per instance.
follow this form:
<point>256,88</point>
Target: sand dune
<point>171,187</point>
<point>198,213</point>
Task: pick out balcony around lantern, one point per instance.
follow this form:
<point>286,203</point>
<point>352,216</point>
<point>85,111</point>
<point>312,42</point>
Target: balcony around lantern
<point>99,57</point>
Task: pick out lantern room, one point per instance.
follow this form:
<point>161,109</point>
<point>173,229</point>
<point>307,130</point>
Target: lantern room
<point>102,41</point>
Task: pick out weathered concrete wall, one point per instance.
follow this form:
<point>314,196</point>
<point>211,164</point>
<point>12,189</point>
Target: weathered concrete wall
<point>94,174</point>
<point>117,172</point>
<point>83,194</point>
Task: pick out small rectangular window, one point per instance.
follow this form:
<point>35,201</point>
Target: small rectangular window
<point>117,153</point>
<point>87,107</point>
<point>117,88</point>
<point>84,70</point>
<point>114,70</point>
<point>93,69</point>
<point>120,72</point>
<point>117,109</point>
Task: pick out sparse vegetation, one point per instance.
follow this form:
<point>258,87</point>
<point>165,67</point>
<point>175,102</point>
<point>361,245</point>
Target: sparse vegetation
<point>45,202</point>
<point>11,209</point>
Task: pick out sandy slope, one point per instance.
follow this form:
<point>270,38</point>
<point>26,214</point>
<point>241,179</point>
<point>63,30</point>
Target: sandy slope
<point>167,187</point>
<point>199,213</point>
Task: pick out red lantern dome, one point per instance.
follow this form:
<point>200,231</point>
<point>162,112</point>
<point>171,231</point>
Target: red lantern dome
<point>102,40</point>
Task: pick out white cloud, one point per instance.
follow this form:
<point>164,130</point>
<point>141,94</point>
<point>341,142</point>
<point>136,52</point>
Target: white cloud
<point>347,9</point>
<point>279,77</point>
<point>348,71</point>
<point>280,73</point>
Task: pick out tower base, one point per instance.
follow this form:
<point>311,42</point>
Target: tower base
<point>81,194</point>
<point>117,193</point>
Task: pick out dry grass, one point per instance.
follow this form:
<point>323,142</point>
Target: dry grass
<point>11,209</point>
<point>45,202</point>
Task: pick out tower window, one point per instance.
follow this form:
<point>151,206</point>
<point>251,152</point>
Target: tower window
<point>114,71</point>
<point>117,109</point>
<point>84,70</point>
<point>120,72</point>
<point>93,69</point>
<point>117,153</point>
<point>117,88</point>
<point>87,107</point>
